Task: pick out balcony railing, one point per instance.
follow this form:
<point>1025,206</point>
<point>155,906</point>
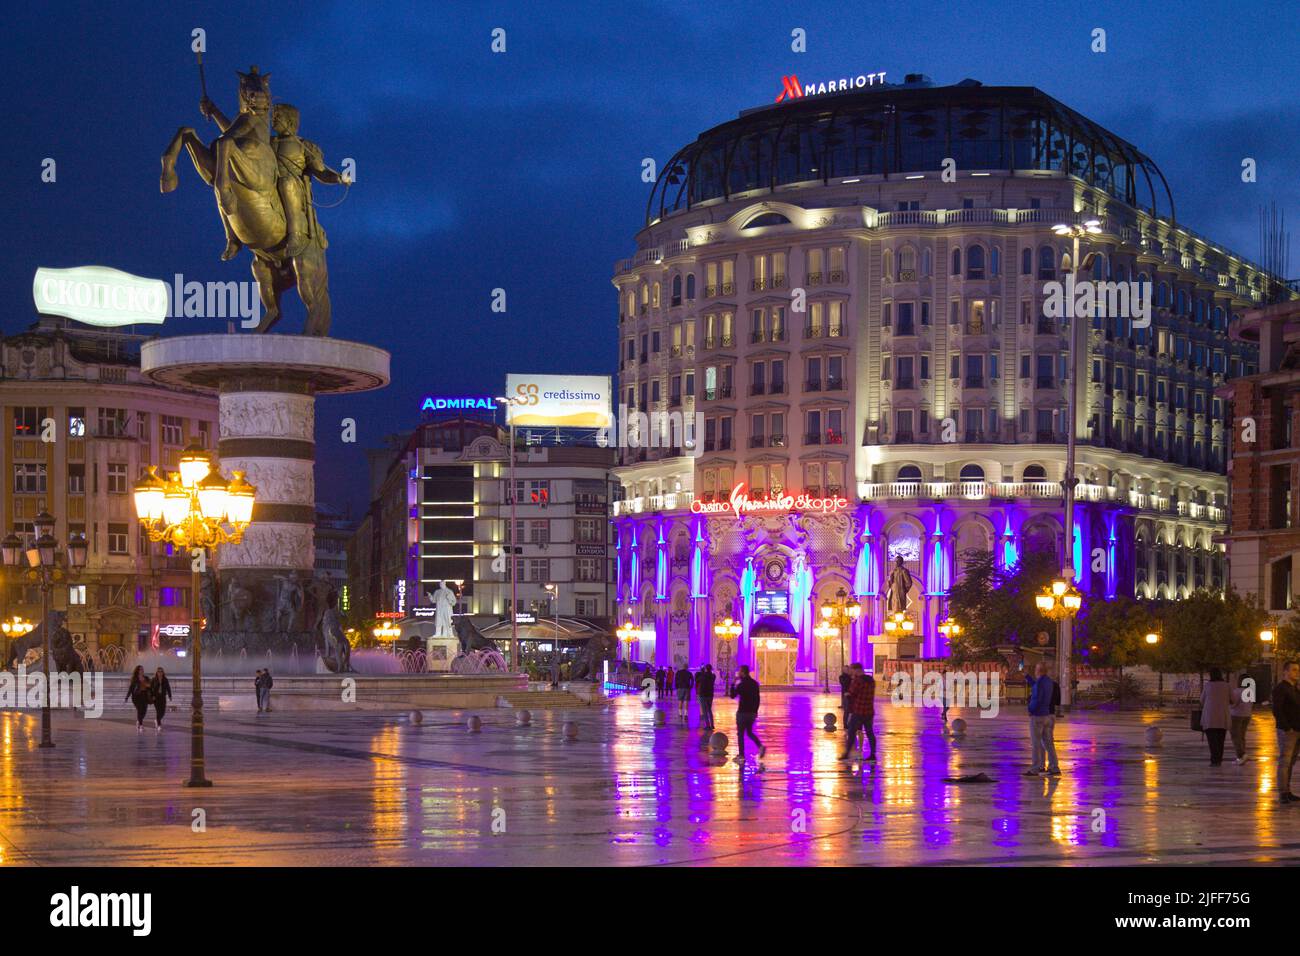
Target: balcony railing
<point>812,386</point>
<point>757,441</point>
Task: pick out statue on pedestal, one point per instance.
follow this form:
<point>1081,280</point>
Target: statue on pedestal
<point>897,587</point>
<point>444,605</point>
<point>263,191</point>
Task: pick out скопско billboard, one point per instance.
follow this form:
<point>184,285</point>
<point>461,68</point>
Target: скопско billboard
<point>559,401</point>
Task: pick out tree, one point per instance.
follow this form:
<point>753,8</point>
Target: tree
<point>1206,630</point>
<point>1114,631</point>
<point>995,606</point>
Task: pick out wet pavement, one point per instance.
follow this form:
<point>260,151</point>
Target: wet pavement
<point>333,789</point>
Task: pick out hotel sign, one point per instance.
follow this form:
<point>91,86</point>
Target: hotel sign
<point>740,504</point>
<point>98,295</point>
<point>792,89</point>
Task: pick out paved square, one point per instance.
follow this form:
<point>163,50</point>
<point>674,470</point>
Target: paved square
<point>333,789</point>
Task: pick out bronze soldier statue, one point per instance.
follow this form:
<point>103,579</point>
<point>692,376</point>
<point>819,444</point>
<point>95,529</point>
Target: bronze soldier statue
<point>263,191</point>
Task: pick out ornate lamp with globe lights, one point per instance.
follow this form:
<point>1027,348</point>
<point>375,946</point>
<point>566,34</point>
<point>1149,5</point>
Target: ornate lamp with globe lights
<point>43,569</point>
<point>195,509</point>
<point>840,614</point>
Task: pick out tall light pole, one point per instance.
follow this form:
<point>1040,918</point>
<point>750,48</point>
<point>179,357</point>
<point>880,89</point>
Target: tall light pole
<point>1078,356</point>
<point>42,560</point>
<point>510,403</point>
<point>195,509</point>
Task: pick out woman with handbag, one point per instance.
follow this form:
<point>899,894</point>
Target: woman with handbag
<point>1215,705</point>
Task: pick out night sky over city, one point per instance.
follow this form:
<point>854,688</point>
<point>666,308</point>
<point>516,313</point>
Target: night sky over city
<point>522,170</point>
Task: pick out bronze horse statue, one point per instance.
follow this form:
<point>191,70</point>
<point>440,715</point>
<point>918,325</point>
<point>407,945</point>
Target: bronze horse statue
<point>263,191</point>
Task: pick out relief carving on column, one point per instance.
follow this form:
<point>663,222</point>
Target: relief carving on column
<point>268,415</point>
<point>281,481</point>
<point>272,545</point>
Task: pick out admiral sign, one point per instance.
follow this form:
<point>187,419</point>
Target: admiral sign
<point>740,504</point>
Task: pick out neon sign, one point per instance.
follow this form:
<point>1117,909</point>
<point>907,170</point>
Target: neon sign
<point>99,295</point>
<point>439,403</point>
<point>793,89</point>
<point>740,504</point>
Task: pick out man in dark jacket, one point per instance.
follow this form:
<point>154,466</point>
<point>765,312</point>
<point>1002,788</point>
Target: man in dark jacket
<point>683,682</point>
<point>1286,714</point>
<point>704,682</point>
<point>1042,723</point>
<point>745,690</point>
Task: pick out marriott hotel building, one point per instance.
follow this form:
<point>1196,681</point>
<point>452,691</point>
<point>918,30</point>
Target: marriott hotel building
<point>848,290</point>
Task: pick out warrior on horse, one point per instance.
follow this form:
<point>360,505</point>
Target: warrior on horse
<point>263,189</point>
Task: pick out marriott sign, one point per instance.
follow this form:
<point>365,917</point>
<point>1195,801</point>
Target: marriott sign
<point>792,89</point>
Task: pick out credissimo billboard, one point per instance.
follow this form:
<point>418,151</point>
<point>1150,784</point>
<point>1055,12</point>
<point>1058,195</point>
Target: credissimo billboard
<point>559,401</point>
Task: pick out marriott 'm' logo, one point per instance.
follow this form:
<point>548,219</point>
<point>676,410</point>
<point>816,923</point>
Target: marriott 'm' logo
<point>790,87</point>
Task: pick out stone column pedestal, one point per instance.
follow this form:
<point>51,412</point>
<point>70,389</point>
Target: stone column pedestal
<point>267,387</point>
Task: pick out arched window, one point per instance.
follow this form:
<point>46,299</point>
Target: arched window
<point>1047,263</point>
<point>1026,262</point>
<point>1182,301</point>
<point>677,290</point>
<point>975,262</point>
<point>887,264</point>
<point>1034,473</point>
<point>1098,268</point>
<point>956,262</point>
<point>690,286</point>
<point>766,219</point>
<point>1218,318</point>
<point>906,259</point>
<point>927,261</point>
<point>995,261</point>
<point>971,473</point>
<point>909,473</point>
<point>1162,294</point>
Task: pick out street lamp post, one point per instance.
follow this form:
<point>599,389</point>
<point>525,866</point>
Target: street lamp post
<point>195,509</point>
<point>840,614</point>
<point>514,575</point>
<point>1152,640</point>
<point>1065,628</point>
<point>553,591</point>
<point>42,561</point>
<point>1060,601</point>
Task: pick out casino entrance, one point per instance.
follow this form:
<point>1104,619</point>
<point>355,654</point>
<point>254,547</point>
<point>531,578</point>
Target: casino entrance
<point>776,651</point>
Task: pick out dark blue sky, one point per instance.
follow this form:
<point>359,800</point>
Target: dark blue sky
<point>522,170</point>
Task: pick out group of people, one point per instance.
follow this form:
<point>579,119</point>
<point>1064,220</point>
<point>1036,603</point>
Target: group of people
<point>145,690</point>
<point>744,690</point>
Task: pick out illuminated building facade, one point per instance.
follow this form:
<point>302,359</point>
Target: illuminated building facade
<point>853,317</point>
<point>80,426</point>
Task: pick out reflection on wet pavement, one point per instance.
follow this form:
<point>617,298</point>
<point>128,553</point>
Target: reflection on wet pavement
<point>322,789</point>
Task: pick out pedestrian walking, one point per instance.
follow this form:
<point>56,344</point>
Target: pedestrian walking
<point>1239,711</point>
<point>668,681</point>
<point>162,692</point>
<point>1042,723</point>
<point>139,692</point>
<point>659,682</point>
<point>267,684</point>
<point>943,695</point>
<point>846,678</point>
<point>257,689</point>
<point>704,682</point>
<point>684,680</point>
<point>746,692</point>
<point>1215,705</point>
<point>1286,714</point>
<point>861,712</point>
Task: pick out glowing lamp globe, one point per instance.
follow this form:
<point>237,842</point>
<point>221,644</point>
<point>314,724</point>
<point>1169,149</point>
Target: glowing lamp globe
<point>212,497</point>
<point>194,465</point>
<point>149,497</point>
<point>1045,602</point>
<point>1072,601</point>
<point>176,504</point>
<point>239,500</point>
<point>1153,638</point>
<point>1059,588</point>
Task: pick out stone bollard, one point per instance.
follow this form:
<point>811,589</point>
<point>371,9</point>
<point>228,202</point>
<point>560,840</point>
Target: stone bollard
<point>958,727</point>
<point>718,743</point>
<point>417,717</point>
<point>1154,735</point>
<point>474,725</point>
<point>828,723</point>
<point>570,730</point>
<point>523,718</point>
